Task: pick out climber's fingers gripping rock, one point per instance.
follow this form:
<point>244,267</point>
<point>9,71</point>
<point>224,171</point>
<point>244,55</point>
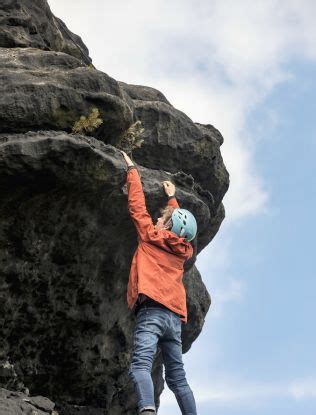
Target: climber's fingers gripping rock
<point>129,162</point>
<point>169,188</point>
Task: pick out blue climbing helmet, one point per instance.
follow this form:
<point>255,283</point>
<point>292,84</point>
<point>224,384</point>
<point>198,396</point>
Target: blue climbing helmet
<point>184,224</point>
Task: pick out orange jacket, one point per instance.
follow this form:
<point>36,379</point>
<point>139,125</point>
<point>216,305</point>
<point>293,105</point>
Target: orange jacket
<point>157,265</point>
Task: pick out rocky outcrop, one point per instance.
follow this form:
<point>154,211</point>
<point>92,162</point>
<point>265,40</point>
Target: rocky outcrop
<point>66,239</point>
<point>17,403</point>
<point>31,24</point>
<point>51,90</point>
<point>173,142</point>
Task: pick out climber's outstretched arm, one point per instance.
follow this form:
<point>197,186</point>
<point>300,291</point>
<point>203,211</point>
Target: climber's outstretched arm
<point>136,201</point>
<point>170,191</point>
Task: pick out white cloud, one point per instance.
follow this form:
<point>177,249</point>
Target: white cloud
<point>216,61</point>
<point>220,279</point>
<point>303,389</point>
<point>236,393</point>
<point>233,291</point>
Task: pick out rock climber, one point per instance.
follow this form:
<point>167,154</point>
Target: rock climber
<point>156,293</point>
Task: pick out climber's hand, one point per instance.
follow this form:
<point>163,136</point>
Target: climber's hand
<point>129,162</point>
<point>170,188</point>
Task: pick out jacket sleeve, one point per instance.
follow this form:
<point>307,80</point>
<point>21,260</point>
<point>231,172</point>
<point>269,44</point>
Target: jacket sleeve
<point>139,214</point>
<point>172,201</point>
<point>137,205</point>
<point>191,255</point>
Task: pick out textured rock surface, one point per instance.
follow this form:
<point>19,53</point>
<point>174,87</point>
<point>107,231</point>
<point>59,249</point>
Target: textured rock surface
<point>17,403</point>
<point>41,89</point>
<point>30,23</point>
<point>173,142</point>
<point>66,239</point>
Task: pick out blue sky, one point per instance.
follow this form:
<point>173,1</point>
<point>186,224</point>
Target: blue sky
<point>248,68</point>
<point>266,338</point>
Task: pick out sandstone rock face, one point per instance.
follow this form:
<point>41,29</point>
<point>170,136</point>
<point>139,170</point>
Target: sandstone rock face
<point>66,239</point>
<point>17,403</point>
<point>30,23</point>
<point>51,90</point>
<point>173,142</point>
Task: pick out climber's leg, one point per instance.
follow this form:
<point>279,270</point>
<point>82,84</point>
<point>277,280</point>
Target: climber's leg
<point>171,347</point>
<point>150,325</point>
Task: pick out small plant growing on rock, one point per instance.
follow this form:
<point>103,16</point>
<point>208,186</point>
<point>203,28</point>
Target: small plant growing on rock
<point>131,138</point>
<point>88,124</point>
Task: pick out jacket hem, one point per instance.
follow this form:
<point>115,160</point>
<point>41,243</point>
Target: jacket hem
<point>181,315</point>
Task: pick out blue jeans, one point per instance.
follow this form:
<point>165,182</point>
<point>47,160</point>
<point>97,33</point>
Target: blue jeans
<point>153,325</point>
